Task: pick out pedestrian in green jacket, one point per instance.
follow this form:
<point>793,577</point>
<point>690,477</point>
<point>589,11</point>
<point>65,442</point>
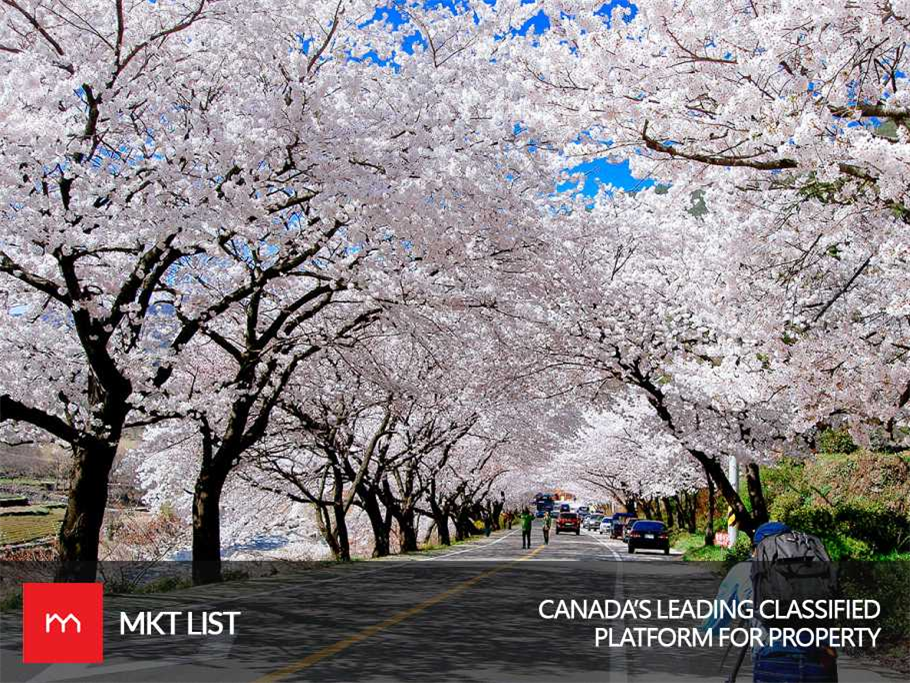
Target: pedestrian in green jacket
<point>527,519</point>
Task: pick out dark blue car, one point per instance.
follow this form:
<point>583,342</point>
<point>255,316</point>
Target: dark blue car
<point>649,534</point>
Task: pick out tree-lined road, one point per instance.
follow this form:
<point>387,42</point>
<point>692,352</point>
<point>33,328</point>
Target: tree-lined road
<point>469,613</point>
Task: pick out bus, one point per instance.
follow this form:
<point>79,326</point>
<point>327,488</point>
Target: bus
<point>544,503</point>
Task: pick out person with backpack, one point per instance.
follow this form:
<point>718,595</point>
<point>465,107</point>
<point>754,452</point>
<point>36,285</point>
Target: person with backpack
<point>785,566</point>
<point>547,523</point>
<point>527,519</point>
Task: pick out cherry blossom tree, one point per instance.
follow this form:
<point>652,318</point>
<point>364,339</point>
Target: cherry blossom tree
<point>626,455</point>
<point>157,210</point>
<point>793,123</point>
<point>120,164</point>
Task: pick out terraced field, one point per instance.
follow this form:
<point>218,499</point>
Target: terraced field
<point>23,528</point>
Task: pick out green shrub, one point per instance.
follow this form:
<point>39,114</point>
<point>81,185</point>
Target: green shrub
<point>741,550</point>
<point>836,441</point>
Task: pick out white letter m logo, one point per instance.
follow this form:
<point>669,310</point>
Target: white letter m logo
<point>51,618</point>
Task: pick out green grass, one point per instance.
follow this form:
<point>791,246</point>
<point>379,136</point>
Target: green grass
<point>684,541</point>
<point>705,554</point>
<point>25,481</point>
<point>22,529</point>
<point>24,511</point>
<point>693,548</point>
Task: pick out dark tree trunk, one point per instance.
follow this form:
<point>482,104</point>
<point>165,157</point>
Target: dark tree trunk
<point>669,510</point>
<point>407,529</point>
<point>463,526</point>
<point>441,518</point>
<point>442,529</point>
<point>630,506</point>
<point>495,514</point>
<point>327,529</point>
<point>692,511</point>
<point>646,508</point>
<point>709,526</point>
<point>715,471</point>
<point>81,529</point>
<point>654,509</point>
<point>756,494</point>
<point>341,533</point>
<point>378,521</point>
<point>680,511</point>
<point>207,526</point>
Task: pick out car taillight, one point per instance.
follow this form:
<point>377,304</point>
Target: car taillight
<point>635,534</point>
<point>664,536</point>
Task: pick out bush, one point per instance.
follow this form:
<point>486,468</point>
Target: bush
<point>836,441</point>
<point>860,529</point>
<point>857,503</point>
<point>741,550</point>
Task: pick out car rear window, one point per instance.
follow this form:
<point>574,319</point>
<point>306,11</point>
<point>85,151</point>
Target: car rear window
<point>568,515</point>
<point>649,527</point>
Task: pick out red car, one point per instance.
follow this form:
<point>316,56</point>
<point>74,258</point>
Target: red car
<point>568,521</point>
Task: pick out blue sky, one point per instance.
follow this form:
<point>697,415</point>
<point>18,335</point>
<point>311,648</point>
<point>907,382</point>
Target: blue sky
<point>596,173</point>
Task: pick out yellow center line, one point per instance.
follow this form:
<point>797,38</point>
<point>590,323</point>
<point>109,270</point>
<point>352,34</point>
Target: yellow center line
<point>396,618</point>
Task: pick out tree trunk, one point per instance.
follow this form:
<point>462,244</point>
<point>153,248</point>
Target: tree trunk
<point>692,511</point>
<point>441,519</point>
<point>81,529</point>
<point>646,508</point>
<point>378,521</point>
<point>207,526</point>
<point>442,528</point>
<point>669,510</point>
<point>654,507</point>
<point>756,494</point>
<point>495,514</point>
<point>407,529</point>
<point>715,470</point>
<point>342,541</point>
<point>326,528</point>
<point>463,526</point>
<point>709,527</point>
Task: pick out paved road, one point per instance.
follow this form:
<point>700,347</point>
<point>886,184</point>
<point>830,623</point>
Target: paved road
<point>469,613</point>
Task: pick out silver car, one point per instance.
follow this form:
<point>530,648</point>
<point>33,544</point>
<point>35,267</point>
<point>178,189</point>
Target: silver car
<point>592,522</point>
<point>606,525</point>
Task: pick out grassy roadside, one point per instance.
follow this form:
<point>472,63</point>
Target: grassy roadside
<point>693,548</point>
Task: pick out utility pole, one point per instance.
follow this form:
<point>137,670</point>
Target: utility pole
<point>733,476</point>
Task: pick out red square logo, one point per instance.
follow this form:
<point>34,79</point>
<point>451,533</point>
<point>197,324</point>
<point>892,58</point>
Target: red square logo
<point>62,623</point>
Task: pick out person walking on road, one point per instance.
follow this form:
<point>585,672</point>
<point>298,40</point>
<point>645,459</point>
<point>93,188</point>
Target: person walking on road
<point>547,523</point>
<point>526,520</point>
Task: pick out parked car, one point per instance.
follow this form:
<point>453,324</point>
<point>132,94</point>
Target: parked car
<point>592,522</point>
<point>627,528</point>
<point>568,521</point>
<point>646,533</point>
<point>606,525</point>
<point>619,519</point>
